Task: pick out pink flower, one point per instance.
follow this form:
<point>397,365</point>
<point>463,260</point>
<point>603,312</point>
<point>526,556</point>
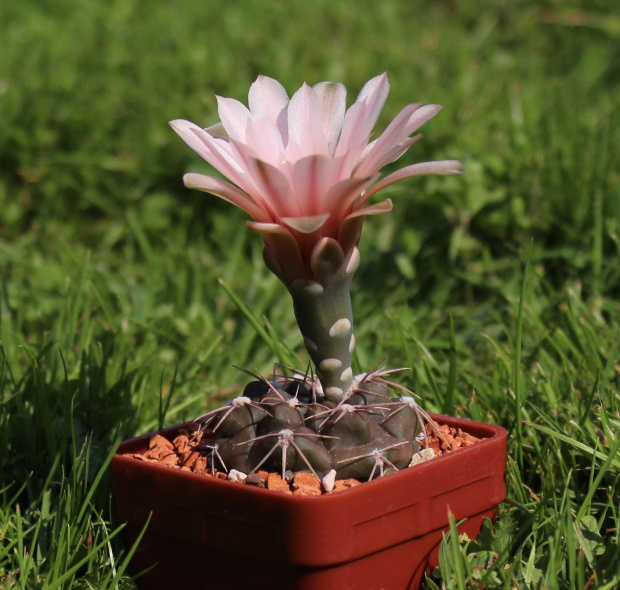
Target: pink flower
<point>304,168</point>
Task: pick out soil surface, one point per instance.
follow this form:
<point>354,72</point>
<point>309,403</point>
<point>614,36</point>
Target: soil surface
<point>185,452</point>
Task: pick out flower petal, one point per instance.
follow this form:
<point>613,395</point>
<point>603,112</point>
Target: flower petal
<point>421,116</point>
<point>305,134</point>
<point>394,134</point>
<point>267,97</point>
<point>186,131</point>
<point>447,167</point>
<point>351,227</point>
<point>215,151</point>
<point>326,259</point>
<point>333,97</point>
<point>274,189</point>
<point>226,191</point>
<point>234,116</point>
<point>306,225</point>
<point>352,138</point>
<point>223,156</point>
<point>283,248</point>
<point>264,138</point>
<point>376,209</point>
<point>282,124</point>
<point>361,118</point>
<point>311,179</point>
<point>341,197</point>
<point>398,151</point>
<point>374,94</point>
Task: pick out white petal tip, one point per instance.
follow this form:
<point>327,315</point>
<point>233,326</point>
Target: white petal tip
<point>189,180</point>
<point>197,181</point>
<point>265,228</point>
<point>455,167</point>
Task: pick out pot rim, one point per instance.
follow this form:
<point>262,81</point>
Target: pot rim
<point>488,433</point>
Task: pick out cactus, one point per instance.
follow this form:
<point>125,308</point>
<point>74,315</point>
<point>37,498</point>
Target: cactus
<point>367,435</point>
<point>304,169</point>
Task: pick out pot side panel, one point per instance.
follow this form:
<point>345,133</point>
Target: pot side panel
<point>248,532</point>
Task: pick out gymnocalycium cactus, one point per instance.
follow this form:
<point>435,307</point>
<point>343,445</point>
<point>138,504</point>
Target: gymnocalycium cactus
<point>304,170</point>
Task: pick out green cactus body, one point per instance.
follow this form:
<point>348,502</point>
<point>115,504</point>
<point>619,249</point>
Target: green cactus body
<point>346,427</point>
<point>234,452</point>
<point>401,423</point>
<point>239,418</point>
<point>374,458</point>
<point>369,435</point>
<point>299,449</point>
<point>322,303</point>
<point>315,416</point>
<point>282,416</point>
<point>369,393</point>
<point>326,322</point>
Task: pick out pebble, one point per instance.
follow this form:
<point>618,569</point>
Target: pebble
<point>276,484</point>
<point>306,484</point>
<point>329,480</point>
<point>237,476</point>
<point>254,479</point>
<point>422,456</point>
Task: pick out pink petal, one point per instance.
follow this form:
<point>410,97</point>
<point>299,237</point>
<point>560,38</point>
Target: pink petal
<point>221,155</point>
<point>215,151</point>
<point>305,133</point>
<point>421,116</point>
<point>395,132</point>
<point>361,118</point>
<point>264,138</point>
<point>306,225</point>
<point>376,209</point>
<point>234,116</point>
<point>353,139</point>
<point>351,228</point>
<point>267,97</point>
<point>333,97</point>
<point>367,150</point>
<point>341,197</point>
<point>226,191</point>
<point>374,94</point>
<point>250,181</point>
<point>274,189</point>
<point>378,86</point>
<point>282,124</point>
<point>446,167</point>
<point>186,131</point>
<point>397,151</point>
<point>311,179</point>
<point>284,249</point>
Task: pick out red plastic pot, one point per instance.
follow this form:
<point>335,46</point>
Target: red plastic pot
<point>213,534</point>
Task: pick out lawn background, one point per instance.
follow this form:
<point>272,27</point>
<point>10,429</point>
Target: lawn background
<point>500,288</point>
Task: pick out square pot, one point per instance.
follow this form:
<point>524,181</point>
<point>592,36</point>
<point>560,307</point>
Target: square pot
<point>207,533</point>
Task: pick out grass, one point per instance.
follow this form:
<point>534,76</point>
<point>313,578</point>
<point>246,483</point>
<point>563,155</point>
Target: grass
<point>498,288</point>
